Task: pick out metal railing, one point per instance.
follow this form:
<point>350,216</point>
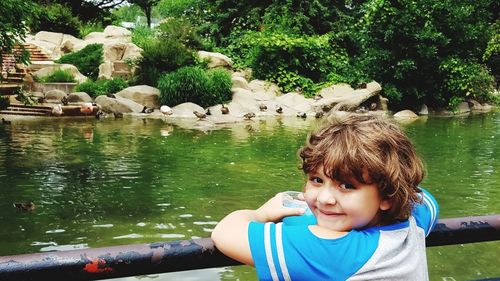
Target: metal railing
<point>139,259</point>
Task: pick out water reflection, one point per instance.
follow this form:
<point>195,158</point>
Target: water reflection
<point>115,182</point>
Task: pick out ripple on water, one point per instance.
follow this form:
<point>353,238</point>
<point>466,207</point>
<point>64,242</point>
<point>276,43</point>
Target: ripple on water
<point>103,225</point>
<point>129,236</point>
<point>172,236</point>
<point>64,247</point>
<point>55,231</point>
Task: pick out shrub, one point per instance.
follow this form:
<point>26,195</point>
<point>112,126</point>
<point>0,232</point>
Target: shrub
<point>58,76</point>
<point>4,103</point>
<point>160,56</point>
<point>56,18</point>
<point>87,28</point>
<point>102,87</point>
<point>466,79</point>
<point>193,84</point>
<point>87,60</point>
<point>142,35</point>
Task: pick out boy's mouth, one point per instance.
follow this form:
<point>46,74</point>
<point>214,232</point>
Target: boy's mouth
<point>330,213</point>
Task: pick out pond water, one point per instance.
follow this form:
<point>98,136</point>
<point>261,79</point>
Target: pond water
<point>125,181</point>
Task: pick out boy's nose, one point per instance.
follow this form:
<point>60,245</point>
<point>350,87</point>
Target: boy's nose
<point>325,196</point>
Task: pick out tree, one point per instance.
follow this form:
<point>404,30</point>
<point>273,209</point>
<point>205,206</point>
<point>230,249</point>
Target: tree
<point>146,6</point>
<point>13,24</point>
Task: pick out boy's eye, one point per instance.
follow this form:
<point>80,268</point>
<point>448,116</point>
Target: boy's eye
<point>347,186</point>
<point>316,180</point>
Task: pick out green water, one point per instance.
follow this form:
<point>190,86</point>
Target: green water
<point>124,181</point>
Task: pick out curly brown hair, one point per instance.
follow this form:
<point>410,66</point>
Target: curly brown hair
<point>356,143</point>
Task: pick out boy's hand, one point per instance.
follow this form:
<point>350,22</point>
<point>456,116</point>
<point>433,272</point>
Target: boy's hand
<point>273,210</point>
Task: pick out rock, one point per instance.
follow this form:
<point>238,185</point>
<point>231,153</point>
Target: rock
<point>114,51</point>
<point>54,96</point>
<point>69,43</point>
<point>105,70</point>
<point>95,36</point>
<point>373,87</point>
<point>424,110</point>
<point>118,105</point>
<point>405,114</point>
<point>51,37</point>
<point>240,82</point>
<point>264,90</point>
<point>345,100</point>
<point>475,106</point>
<point>341,89</point>
<point>132,51</point>
<point>216,59</point>
<point>462,108</point>
<point>243,101</point>
<point>79,97</point>
<point>117,32</point>
<point>143,94</point>
<point>296,102</point>
<point>80,78</point>
<point>186,109</point>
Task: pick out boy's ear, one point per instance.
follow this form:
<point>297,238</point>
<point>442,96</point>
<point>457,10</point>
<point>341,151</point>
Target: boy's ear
<point>385,204</point>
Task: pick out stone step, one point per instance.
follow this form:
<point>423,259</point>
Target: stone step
<point>33,107</point>
<point>24,113</point>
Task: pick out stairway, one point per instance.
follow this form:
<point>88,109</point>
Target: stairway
<point>13,73</point>
<point>27,110</point>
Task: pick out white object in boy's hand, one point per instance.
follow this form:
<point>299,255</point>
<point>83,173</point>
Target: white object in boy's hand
<point>293,199</point>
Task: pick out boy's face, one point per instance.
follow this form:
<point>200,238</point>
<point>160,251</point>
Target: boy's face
<point>343,206</point>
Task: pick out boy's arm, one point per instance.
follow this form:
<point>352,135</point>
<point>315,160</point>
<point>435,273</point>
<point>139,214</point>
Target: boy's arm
<point>427,212</point>
<point>231,233</point>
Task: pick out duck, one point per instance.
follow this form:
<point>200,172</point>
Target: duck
<point>262,107</point>
<point>166,110</point>
<point>200,115</point>
<point>25,206</point>
<point>249,115</point>
<point>302,115</point>
<point>64,100</point>
<point>319,114</point>
<point>224,109</point>
<point>118,114</point>
<point>208,112</point>
<point>109,95</point>
<point>100,114</point>
<point>298,90</point>
<point>147,110</point>
<point>57,110</point>
<point>279,109</point>
<point>373,106</point>
<point>6,122</point>
<point>318,97</point>
<point>361,109</point>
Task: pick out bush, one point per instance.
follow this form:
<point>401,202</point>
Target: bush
<point>58,76</point>
<point>56,18</point>
<point>466,79</point>
<point>102,87</point>
<point>87,28</point>
<point>4,103</point>
<point>87,60</point>
<point>160,56</point>
<point>193,84</point>
<point>142,35</point>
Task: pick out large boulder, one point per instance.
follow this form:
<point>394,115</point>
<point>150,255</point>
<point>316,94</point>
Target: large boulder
<point>142,94</point>
<point>80,78</point>
<point>118,105</point>
<point>186,109</point>
<point>69,43</point>
<point>240,82</point>
<point>51,37</point>
<point>216,59</point>
<point>79,97</point>
<point>263,90</point>
<point>243,102</point>
<point>296,101</point>
<point>117,33</point>
<point>54,96</point>
<point>478,107</point>
<point>405,114</point>
<point>341,89</point>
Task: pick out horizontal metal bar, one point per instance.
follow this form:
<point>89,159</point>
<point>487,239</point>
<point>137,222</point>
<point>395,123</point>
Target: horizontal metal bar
<point>139,259</point>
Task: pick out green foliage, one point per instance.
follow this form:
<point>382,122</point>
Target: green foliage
<point>294,61</point>
<point>466,79</point>
<point>58,76</point>
<point>408,44</point>
<point>174,8</point>
<point>491,55</point>
<point>171,49</point>
<point>127,13</point>
<point>101,87</point>
<point>193,84</point>
<point>87,60</point>
<point>56,18</point>
<point>4,102</point>
<point>142,35</point>
<point>146,6</point>
<point>14,20</point>
<point>87,28</point>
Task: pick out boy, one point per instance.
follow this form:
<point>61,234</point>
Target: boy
<point>371,218</point>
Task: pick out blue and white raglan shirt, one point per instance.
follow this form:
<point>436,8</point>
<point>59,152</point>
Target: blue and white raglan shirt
<point>393,252</point>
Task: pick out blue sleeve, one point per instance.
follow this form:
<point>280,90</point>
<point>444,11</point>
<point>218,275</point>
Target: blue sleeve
<point>426,213</point>
<point>258,239</point>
